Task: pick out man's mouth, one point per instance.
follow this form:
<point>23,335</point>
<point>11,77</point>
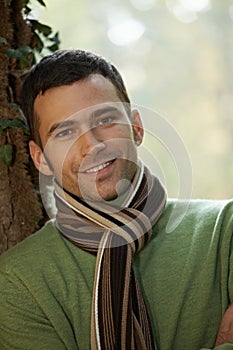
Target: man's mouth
<point>99,167</point>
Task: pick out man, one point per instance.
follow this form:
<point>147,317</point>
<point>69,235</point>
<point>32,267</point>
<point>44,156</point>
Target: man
<point>105,274</point>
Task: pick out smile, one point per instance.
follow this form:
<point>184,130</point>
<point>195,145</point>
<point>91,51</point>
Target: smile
<point>98,167</point>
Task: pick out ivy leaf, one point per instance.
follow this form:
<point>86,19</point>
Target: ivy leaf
<point>13,123</point>
<point>55,39</point>
<point>12,53</point>
<point>5,124</point>
<point>41,2</point>
<point>25,2</point>
<point>25,50</point>
<point>38,43</point>
<point>17,123</point>
<point>42,28</point>
<point>53,47</point>
<point>3,40</point>
<point>6,154</point>
<point>22,53</point>
<point>13,105</point>
<point>27,10</point>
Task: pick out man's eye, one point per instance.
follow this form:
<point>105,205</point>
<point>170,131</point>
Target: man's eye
<point>64,133</point>
<point>105,121</point>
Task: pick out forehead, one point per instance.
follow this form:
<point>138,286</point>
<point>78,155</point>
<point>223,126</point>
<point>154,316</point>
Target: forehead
<point>63,101</point>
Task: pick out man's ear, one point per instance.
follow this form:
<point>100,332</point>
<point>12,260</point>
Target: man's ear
<point>39,159</point>
<point>137,126</point>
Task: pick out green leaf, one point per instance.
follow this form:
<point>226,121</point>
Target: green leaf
<point>13,123</point>
<point>13,105</point>
<point>26,54</point>
<point>23,53</point>
<point>6,154</point>
<point>53,47</point>
<point>3,40</point>
<point>42,28</point>
<point>27,10</point>
<point>55,39</point>
<point>12,53</point>
<point>39,45</point>
<point>5,124</point>
<point>41,2</point>
<point>25,2</point>
<point>17,123</point>
<point>25,50</point>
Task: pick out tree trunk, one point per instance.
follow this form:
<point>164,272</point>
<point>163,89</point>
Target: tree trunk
<point>20,208</point>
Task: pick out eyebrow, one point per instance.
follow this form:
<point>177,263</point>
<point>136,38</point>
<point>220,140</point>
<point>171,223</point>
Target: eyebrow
<point>104,110</point>
<point>71,122</point>
<point>61,125</point>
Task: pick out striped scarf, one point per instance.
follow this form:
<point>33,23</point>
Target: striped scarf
<point>120,318</point>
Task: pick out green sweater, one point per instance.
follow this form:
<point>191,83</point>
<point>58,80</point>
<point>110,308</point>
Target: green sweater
<point>186,277</point>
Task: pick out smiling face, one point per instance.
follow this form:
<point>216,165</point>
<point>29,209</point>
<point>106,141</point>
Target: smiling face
<point>89,141</point>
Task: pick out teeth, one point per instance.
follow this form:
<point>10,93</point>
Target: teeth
<point>97,168</point>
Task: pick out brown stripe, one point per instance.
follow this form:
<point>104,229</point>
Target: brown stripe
<point>120,319</point>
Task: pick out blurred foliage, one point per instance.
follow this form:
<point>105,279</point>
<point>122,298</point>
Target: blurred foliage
<point>177,61</point>
<point>42,39</point>
<point>22,58</point>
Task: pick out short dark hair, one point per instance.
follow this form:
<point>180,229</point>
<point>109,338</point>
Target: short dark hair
<point>65,67</point>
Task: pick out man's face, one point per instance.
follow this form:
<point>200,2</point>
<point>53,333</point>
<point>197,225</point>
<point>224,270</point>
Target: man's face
<point>89,141</point>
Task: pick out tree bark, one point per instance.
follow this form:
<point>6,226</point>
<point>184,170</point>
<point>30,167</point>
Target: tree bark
<point>20,208</point>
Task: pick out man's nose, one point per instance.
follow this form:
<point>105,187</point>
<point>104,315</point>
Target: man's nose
<point>90,144</point>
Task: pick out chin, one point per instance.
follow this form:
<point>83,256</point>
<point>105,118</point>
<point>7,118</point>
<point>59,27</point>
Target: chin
<point>109,198</point>
<point>105,197</point>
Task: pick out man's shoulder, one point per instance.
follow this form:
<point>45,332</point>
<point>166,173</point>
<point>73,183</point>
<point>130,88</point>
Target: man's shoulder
<point>194,212</point>
<point>32,248</point>
<point>200,206</point>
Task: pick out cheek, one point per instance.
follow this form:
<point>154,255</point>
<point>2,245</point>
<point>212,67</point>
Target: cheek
<point>61,156</point>
<point>122,139</point>
<point>119,130</point>
<point>69,163</point>
<point>125,131</point>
